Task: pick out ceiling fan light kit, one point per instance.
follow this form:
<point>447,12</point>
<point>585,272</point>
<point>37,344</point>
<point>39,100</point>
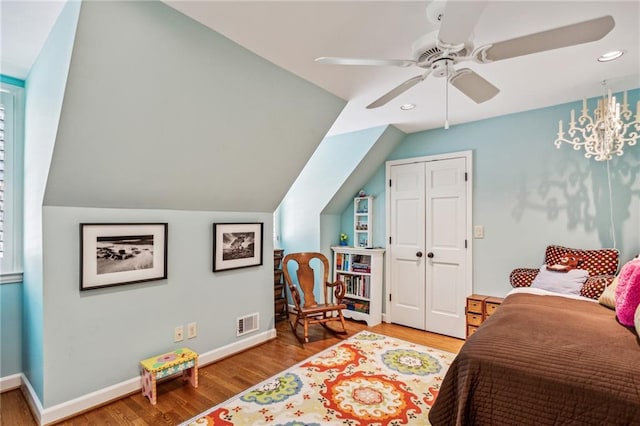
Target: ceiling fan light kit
<point>439,51</point>
<point>604,134</point>
<point>611,56</point>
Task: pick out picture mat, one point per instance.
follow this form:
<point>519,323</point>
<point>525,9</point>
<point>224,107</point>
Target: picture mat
<point>227,228</point>
<point>90,234</point>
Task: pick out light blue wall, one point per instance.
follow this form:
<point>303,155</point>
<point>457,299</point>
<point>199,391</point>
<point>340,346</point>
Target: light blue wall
<point>102,334</point>
<point>163,120</point>
<point>375,187</point>
<point>44,89</point>
<point>11,80</point>
<point>324,174</point>
<point>10,329</point>
<point>527,193</point>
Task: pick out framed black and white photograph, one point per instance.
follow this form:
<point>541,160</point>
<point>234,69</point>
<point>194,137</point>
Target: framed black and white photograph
<point>236,245</point>
<point>122,253</point>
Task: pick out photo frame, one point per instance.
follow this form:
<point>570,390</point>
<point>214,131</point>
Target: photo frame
<point>237,245</point>
<point>114,254</point>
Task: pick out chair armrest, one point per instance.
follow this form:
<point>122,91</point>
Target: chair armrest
<point>339,290</point>
<point>522,277</point>
<point>594,286</point>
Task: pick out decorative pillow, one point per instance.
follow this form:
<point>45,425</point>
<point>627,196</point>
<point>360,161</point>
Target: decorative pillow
<point>597,261</point>
<point>566,263</point>
<point>594,286</point>
<point>628,292</point>
<point>608,296</point>
<point>569,282</point>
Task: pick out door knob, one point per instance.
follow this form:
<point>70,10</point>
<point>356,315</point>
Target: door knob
<point>430,255</point>
<point>419,254</point>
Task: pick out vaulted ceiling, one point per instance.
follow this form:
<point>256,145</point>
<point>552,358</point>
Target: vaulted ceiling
<point>291,34</point>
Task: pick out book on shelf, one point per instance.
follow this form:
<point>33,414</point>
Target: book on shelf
<point>361,267</point>
<point>361,263</point>
<point>357,305</point>
<point>342,262</point>
<point>357,285</point>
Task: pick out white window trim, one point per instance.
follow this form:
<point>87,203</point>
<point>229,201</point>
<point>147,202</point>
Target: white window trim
<point>11,263</point>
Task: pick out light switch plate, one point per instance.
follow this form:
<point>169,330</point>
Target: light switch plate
<point>178,334</point>
<point>192,330</point>
<point>478,231</point>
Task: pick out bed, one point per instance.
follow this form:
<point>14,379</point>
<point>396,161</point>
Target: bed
<point>544,359</point>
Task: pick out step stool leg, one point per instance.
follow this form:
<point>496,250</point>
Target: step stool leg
<point>191,375</point>
<point>149,386</point>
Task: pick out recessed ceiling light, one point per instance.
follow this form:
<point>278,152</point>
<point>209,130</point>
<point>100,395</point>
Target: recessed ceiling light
<point>610,56</point>
<point>407,107</point>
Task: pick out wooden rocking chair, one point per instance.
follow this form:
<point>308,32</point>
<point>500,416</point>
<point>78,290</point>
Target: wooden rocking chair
<point>307,310</point>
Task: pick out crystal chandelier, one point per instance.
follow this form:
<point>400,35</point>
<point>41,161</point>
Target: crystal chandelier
<point>606,133</point>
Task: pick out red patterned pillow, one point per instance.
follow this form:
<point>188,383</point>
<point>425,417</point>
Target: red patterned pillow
<point>597,261</point>
<point>594,286</point>
<point>522,277</point>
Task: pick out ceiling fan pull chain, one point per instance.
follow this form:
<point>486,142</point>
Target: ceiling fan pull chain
<point>446,99</point>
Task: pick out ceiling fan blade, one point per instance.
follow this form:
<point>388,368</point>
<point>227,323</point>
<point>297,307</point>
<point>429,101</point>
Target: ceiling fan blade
<point>473,85</point>
<point>398,90</point>
<point>459,20</point>
<point>369,62</point>
<point>570,35</point>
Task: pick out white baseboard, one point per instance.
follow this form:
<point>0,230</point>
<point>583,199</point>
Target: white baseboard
<point>10,382</point>
<point>32,399</point>
<point>235,347</point>
<point>86,402</point>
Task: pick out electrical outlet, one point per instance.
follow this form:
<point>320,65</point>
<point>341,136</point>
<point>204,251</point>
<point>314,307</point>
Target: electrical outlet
<point>178,334</point>
<point>478,231</point>
<point>192,330</point>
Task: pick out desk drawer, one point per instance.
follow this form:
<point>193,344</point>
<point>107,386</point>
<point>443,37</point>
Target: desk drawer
<point>474,319</point>
<point>491,308</point>
<point>474,306</point>
<point>471,329</point>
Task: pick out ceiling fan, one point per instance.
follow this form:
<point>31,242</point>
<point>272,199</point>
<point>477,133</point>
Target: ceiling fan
<point>437,52</point>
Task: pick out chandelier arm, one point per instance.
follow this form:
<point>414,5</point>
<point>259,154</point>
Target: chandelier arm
<point>604,132</point>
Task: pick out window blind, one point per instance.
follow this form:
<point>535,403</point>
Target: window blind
<point>2,183</point>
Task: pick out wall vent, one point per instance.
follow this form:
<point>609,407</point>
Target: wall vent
<point>247,324</point>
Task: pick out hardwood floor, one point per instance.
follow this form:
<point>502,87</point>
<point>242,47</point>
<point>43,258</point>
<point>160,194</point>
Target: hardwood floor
<point>218,381</point>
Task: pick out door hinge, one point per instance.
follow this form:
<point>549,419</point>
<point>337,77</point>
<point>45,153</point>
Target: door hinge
<point>389,297</point>
<point>466,176</point>
<point>389,240</point>
<point>389,183</point>
<point>465,243</point>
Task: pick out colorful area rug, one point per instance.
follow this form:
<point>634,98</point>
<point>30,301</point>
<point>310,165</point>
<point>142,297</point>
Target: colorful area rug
<point>368,379</point>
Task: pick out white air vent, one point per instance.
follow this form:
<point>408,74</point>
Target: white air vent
<point>247,324</point>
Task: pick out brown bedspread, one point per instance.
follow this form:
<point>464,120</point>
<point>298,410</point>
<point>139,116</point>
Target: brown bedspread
<point>544,360</point>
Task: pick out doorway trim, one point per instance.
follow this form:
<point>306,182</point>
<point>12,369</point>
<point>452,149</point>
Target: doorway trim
<point>468,155</point>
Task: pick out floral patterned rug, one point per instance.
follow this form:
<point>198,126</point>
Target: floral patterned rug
<point>368,379</point>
